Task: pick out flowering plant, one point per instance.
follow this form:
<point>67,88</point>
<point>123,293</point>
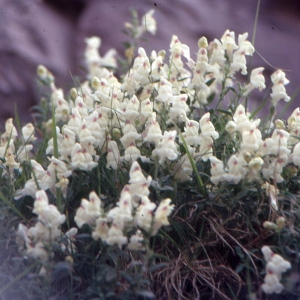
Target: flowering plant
<point>149,151</point>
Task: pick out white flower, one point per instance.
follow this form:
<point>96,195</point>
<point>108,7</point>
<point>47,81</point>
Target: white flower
<point>28,133</point>
<point>177,48</point>
<point>148,22</point>
<point>75,121</point>
<point>136,241</point>
<point>115,236</point>
<point>236,168</point>
<point>255,166</point>
<point>191,133</point>
<point>179,109</point>
<point>63,185</point>
<point>278,89</point>
<point>24,153</point>
<point>272,192</point>
<point>165,94</point>
<point>62,111</point>
<point>217,170</point>
<point>139,184</point>
<point>82,159</point>
<point>153,133</point>
<point>10,131</point>
<point>88,211</point>
<point>251,139</point>
<point>296,155</point>
<point>207,127</point>
<point>132,153</point>
<point>38,251</point>
<point>144,213</point>
<point>206,145</point>
<point>161,214</point>
<point>257,80</point>
<point>10,162</point>
<point>167,148</point>
<point>113,155</point>
<point>228,41</point>
<point>58,168</point>
<point>67,143</point>
<point>276,265</point>
<point>130,135</point>
<point>101,230</point>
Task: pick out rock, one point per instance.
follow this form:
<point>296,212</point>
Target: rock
<point>52,33</point>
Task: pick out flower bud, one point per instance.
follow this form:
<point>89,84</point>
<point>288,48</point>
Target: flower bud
<point>280,222</point>
<point>279,124</point>
<point>95,82</point>
<point>269,225</point>
<point>116,133</point>
<point>162,53</point>
<point>202,42</point>
<point>73,93</point>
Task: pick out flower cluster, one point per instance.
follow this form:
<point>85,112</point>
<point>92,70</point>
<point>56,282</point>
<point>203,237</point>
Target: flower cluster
<point>36,239</point>
<point>276,265</point>
<point>134,212</point>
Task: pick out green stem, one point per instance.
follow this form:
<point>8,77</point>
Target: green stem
<point>8,203</point>
<point>198,178</point>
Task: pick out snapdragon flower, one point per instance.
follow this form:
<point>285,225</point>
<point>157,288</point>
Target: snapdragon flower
<point>68,143</point>
<point>191,133</point>
<point>113,155</point>
<point>131,111</point>
<point>148,22</point>
<point>251,139</point>
<point>275,168</point>
<point>88,211</point>
<point>217,53</point>
<point>58,167</point>
<point>276,265</point>
<point>278,89</point>
<point>217,170</point>
<point>136,241</point>
<point>131,154</point>
<point>257,80</point>
<point>207,127</point>
<point>165,94</point>
<point>179,109</point>
<point>82,159</point>
<point>62,111</point>
<point>139,184</point>
<point>75,121</point>
<point>141,67</point>
<point>28,133</point>
<point>152,133</point>
<point>161,214</point>
<point>24,153</point>
<point>144,214</point>
<point>115,236</point>
<point>158,68</point>
<point>236,168</point>
<point>10,131</point>
<point>238,59</point>
<point>167,148</point>
<point>228,42</point>
<point>10,162</point>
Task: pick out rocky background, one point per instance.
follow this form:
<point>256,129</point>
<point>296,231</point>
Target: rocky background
<point>52,32</point>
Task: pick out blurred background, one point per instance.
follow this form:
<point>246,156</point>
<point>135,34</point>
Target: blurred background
<point>52,33</point>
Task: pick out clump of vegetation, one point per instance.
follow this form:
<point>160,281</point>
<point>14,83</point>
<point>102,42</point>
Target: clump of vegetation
<point>158,184</point>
